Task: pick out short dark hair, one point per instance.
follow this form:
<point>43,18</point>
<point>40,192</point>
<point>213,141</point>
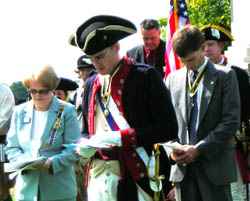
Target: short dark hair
<point>186,40</point>
<point>150,24</point>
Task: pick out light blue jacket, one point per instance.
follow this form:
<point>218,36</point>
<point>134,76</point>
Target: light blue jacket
<point>61,183</point>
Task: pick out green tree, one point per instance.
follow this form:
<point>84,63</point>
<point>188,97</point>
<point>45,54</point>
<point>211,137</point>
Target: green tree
<point>204,12</point>
<point>163,25</point>
<point>20,92</point>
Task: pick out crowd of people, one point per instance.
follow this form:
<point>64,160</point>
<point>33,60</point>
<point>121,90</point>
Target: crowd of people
<point>122,132</point>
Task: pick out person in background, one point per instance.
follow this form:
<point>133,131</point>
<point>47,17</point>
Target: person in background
<point>40,128</point>
<point>64,86</point>
<point>215,37</point>
<point>127,107</point>
<point>207,105</point>
<point>7,103</point>
<point>84,68</point>
<point>152,52</point>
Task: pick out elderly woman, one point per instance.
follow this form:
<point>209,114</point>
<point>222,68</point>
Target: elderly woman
<point>38,128</point>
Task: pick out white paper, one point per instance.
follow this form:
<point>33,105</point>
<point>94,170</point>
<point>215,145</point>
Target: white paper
<point>172,145</point>
<point>86,146</point>
<point>24,164</point>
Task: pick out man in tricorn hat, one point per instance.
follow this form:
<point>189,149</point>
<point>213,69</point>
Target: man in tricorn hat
<point>215,36</point>
<point>84,68</point>
<point>128,109</point>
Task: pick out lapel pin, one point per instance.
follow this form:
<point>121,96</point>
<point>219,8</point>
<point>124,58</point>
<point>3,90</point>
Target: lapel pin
<point>26,120</point>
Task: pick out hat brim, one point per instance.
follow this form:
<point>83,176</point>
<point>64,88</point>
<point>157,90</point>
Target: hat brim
<point>224,35</point>
<point>102,31</point>
<point>67,85</point>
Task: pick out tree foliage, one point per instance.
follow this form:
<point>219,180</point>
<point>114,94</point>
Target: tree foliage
<point>20,92</point>
<point>204,12</point>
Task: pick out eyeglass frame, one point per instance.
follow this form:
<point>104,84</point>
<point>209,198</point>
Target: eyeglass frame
<point>100,57</point>
<point>41,92</point>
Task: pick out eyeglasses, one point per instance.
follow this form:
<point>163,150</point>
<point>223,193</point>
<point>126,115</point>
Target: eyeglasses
<point>42,91</point>
<point>100,57</point>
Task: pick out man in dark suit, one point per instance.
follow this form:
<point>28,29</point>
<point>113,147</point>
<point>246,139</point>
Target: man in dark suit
<point>127,105</point>
<point>207,105</point>
<point>153,50</point>
<point>215,36</point>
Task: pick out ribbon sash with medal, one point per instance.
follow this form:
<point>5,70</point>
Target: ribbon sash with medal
<point>193,88</point>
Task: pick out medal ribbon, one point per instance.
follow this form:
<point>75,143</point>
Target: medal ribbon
<point>194,88</point>
<point>109,118</point>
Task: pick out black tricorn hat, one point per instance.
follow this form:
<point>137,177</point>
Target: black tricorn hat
<point>66,84</point>
<point>82,62</point>
<point>100,32</point>
<point>213,32</point>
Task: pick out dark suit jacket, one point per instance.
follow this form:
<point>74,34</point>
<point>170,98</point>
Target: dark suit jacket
<point>148,108</point>
<point>244,87</point>
<point>139,55</point>
<point>218,120</point>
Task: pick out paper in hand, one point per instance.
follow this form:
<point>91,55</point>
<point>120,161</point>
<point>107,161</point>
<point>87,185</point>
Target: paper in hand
<point>172,145</point>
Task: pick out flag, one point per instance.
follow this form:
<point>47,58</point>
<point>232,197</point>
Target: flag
<point>178,18</point>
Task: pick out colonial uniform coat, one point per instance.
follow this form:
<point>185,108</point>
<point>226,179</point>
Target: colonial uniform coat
<point>139,55</point>
<point>218,120</point>
<point>59,184</point>
<point>144,101</point>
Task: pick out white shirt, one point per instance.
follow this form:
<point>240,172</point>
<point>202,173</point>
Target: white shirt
<point>38,126</point>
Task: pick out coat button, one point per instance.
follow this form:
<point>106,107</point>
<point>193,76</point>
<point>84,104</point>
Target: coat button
<point>108,173</point>
<point>119,91</point>
<point>141,174</point>
<point>138,165</point>
<point>134,154</point>
<point>118,103</point>
<point>121,81</point>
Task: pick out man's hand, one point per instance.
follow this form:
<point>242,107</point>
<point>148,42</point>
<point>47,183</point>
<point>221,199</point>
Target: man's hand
<point>185,155</point>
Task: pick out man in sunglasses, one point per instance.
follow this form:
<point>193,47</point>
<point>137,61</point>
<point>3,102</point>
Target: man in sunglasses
<point>127,109</point>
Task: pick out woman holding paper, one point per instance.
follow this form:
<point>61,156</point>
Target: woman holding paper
<point>39,128</point>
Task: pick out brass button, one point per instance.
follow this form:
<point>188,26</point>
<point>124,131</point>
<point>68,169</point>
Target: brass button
<point>121,81</point>
<point>134,154</point>
<point>138,165</point>
<point>141,174</point>
<point>119,91</point>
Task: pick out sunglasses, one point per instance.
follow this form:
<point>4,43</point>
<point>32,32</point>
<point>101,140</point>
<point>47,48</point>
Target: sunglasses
<point>42,91</point>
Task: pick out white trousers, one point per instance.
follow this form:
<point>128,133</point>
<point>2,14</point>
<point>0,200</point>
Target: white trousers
<point>238,188</point>
<point>104,188</point>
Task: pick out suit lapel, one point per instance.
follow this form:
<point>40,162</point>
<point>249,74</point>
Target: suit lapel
<point>208,88</point>
<point>28,119</point>
<point>182,94</point>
